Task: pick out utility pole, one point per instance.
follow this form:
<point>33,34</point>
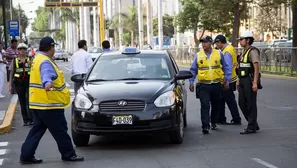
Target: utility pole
<point>11,7</point>
<point>21,37</point>
<point>160,24</point>
<point>148,22</point>
<point>177,8</point>
<point>120,23</point>
<point>140,24</point>
<point>289,20</point>
<point>101,21</point>
<point>4,23</point>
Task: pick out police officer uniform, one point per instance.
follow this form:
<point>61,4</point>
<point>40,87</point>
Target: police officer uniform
<point>208,68</point>
<point>246,73</point>
<point>48,98</point>
<point>20,79</point>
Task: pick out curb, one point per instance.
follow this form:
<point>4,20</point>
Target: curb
<point>263,74</point>
<point>9,115</point>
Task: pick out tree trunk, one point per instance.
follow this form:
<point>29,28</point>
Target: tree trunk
<point>236,25</point>
<point>294,27</point>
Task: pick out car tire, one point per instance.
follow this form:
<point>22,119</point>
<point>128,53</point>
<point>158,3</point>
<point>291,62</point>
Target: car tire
<point>185,119</point>
<point>177,135</point>
<point>80,139</point>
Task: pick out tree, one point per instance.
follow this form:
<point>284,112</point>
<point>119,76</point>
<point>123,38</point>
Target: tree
<point>41,21</point>
<point>204,15</point>
<point>168,27</point>
<point>266,20</point>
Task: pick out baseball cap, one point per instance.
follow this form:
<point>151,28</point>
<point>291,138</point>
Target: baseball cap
<point>47,42</point>
<point>220,38</point>
<point>206,39</point>
<point>22,45</point>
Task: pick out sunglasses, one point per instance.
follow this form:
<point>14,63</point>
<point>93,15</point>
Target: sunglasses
<point>22,49</point>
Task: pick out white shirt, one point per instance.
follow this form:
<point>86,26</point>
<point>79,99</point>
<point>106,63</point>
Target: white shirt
<point>81,62</point>
<point>2,65</point>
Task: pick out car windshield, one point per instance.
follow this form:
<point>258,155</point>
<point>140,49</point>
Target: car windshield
<point>94,50</point>
<point>127,67</point>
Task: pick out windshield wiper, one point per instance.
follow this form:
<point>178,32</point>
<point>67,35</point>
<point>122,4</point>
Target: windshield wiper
<point>97,80</point>
<point>132,79</point>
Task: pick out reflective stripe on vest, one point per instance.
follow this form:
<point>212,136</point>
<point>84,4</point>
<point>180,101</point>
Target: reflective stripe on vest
<point>19,70</point>
<point>245,63</point>
<point>209,69</point>
<point>33,85</point>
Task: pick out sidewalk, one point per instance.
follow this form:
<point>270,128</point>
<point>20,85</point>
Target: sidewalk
<point>7,109</point>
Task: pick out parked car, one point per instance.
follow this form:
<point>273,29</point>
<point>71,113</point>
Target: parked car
<point>60,54</point>
<point>95,52</point>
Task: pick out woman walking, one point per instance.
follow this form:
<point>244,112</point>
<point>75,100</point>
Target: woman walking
<point>19,77</point>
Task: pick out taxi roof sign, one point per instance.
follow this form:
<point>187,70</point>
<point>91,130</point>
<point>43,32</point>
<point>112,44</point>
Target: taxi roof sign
<point>131,50</point>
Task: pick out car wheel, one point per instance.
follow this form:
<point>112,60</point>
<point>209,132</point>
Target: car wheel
<point>177,136</point>
<point>80,139</point>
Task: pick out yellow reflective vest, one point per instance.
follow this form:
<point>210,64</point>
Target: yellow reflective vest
<point>209,69</point>
<point>19,71</point>
<point>39,98</point>
<point>229,48</point>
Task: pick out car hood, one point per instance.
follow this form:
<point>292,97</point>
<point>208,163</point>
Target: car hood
<point>117,90</point>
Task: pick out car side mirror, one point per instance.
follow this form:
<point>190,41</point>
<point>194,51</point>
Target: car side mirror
<point>78,78</point>
<point>183,75</point>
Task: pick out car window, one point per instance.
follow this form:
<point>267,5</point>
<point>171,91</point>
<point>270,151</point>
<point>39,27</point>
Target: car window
<point>94,50</point>
<point>174,64</point>
<point>123,67</point>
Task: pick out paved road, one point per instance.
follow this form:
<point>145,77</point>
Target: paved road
<point>275,146</point>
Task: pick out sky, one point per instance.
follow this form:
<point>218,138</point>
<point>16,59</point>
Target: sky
<point>28,6</point>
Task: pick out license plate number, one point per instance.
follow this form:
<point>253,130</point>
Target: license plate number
<point>122,120</point>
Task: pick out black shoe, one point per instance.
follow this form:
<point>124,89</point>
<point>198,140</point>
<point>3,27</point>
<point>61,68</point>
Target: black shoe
<point>214,127</point>
<point>223,123</point>
<point>31,161</point>
<point>235,122</point>
<point>31,123</point>
<point>248,131</point>
<point>205,130</point>
<point>74,158</point>
<point>257,128</point>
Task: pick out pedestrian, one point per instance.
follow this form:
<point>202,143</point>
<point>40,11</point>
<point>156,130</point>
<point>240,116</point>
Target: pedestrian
<point>106,46</point>
<point>2,70</point>
<point>81,62</point>
<point>249,81</point>
<point>228,95</point>
<point>211,68</point>
<point>48,98</point>
<point>10,54</point>
<point>19,77</point>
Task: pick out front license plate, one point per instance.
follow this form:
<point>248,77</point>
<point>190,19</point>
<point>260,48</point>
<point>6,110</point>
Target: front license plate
<point>122,120</point>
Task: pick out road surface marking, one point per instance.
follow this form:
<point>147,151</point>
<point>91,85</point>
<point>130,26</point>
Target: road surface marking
<point>67,68</point>
<point>71,90</point>
<point>2,151</point>
<point>3,144</point>
<point>2,114</point>
<point>67,84</point>
<point>1,161</point>
<point>262,162</point>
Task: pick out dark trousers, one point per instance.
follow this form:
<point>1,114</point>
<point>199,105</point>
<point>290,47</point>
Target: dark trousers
<point>209,95</point>
<point>248,102</point>
<point>22,89</point>
<point>8,77</point>
<point>228,97</point>
<point>55,122</point>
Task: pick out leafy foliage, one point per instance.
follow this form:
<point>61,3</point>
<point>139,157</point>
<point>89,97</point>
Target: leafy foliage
<point>168,27</point>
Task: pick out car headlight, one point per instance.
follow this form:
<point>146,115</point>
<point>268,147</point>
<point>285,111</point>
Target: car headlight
<point>82,102</point>
<point>165,100</point>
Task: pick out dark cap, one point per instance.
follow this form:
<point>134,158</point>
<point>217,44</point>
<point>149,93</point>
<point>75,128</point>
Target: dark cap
<point>220,38</point>
<point>206,39</point>
<point>47,42</point>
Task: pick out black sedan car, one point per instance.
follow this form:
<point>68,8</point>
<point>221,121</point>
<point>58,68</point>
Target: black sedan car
<point>130,91</point>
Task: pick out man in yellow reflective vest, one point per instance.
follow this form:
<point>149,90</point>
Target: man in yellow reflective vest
<point>249,81</point>
<point>212,69</point>
<point>48,97</point>
<point>228,95</point>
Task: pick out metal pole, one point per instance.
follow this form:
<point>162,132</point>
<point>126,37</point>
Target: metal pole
<point>140,24</point>
<point>289,20</point>
<point>81,23</point>
<point>101,22</point>
<point>11,7</point>
<point>20,25</point>
<point>148,21</point>
<point>4,23</point>
<point>160,24</point>
<point>178,35</point>
<point>120,23</point>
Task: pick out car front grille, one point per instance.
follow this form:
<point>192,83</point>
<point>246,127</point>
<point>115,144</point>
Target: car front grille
<point>132,105</point>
